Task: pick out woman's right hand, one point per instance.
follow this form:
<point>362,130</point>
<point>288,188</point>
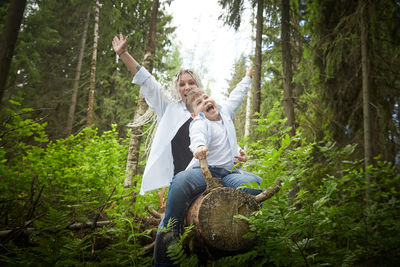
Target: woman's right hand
<point>119,44</point>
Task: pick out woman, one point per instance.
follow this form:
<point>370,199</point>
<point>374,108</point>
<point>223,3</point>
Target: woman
<point>170,154</point>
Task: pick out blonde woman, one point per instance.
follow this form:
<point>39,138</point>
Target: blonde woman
<point>170,153</point>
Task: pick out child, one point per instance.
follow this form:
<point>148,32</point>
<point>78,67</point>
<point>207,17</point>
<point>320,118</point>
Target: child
<point>212,134</point>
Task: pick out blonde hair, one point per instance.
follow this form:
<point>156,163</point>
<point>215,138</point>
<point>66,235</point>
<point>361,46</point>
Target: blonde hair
<point>173,95</point>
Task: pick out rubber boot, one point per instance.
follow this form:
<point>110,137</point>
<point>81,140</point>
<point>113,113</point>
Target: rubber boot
<point>163,241</point>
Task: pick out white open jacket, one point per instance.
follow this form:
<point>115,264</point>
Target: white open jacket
<point>159,168</point>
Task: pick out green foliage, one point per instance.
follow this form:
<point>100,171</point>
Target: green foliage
<point>341,214</point>
<point>234,12</point>
<point>49,186</point>
<point>73,170</point>
<point>177,252</point>
<point>337,217</point>
<point>46,56</point>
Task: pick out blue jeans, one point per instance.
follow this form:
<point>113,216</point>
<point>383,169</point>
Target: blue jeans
<point>187,185</point>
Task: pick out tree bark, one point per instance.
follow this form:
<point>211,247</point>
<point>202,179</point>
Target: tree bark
<point>247,120</point>
<point>257,60</point>
<point>287,76</point>
<point>93,66</point>
<point>136,132</point>
<point>248,98</point>
<point>9,39</point>
<point>214,214</point>
<point>298,54</point>
<point>365,90</point>
<point>75,85</point>
<point>287,66</point>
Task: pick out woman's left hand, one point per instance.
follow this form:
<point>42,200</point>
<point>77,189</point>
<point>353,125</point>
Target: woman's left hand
<point>119,44</point>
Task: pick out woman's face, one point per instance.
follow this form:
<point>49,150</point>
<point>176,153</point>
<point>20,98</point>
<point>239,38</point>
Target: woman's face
<point>185,84</point>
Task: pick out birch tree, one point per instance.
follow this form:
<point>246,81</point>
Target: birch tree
<point>71,113</point>
<point>248,97</point>
<point>93,66</point>
<point>137,130</point>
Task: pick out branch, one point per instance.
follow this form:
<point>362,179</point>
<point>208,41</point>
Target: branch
<point>147,248</point>
<point>102,208</point>
<point>264,195</point>
<point>74,226</point>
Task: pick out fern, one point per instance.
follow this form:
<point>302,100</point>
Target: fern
<point>177,252</point>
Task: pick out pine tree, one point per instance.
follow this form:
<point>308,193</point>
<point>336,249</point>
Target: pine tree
<point>8,40</point>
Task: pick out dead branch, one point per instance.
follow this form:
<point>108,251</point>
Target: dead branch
<point>102,208</point>
<point>74,226</point>
<point>34,204</point>
<point>147,248</point>
<point>154,213</point>
<point>269,192</point>
<point>161,203</point>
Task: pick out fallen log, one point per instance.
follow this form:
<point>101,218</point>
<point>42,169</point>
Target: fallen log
<point>214,215</point>
<point>74,226</point>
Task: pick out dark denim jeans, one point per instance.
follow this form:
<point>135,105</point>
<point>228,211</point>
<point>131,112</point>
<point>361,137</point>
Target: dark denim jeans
<point>185,187</point>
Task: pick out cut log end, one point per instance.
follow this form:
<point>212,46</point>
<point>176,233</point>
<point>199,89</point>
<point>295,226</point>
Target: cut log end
<point>214,218</point>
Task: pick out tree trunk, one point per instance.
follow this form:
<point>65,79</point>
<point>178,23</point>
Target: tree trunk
<point>287,76</point>
<point>248,98</point>
<point>365,90</point>
<point>214,216</point>
<point>287,66</point>
<point>9,39</point>
<point>298,55</point>
<point>93,68</point>
<point>75,85</point>
<point>136,132</point>
<point>257,60</point>
<point>248,119</point>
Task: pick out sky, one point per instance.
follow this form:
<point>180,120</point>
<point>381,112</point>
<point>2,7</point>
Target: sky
<point>206,45</point>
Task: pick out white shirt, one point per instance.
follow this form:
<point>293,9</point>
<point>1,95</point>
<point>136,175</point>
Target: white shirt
<point>203,131</point>
<point>159,168</point>
<point>220,154</point>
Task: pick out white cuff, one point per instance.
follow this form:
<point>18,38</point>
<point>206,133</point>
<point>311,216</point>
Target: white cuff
<point>141,76</point>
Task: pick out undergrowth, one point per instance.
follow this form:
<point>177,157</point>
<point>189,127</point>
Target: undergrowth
<point>337,217</point>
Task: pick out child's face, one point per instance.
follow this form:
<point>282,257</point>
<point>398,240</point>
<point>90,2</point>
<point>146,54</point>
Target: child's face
<point>206,105</point>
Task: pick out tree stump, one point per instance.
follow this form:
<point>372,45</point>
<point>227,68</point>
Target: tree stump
<point>213,215</point>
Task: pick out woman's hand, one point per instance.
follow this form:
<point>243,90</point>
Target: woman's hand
<point>119,44</point>
<point>201,152</point>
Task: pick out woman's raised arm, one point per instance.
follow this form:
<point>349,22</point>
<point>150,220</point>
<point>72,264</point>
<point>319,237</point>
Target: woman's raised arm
<point>119,46</point>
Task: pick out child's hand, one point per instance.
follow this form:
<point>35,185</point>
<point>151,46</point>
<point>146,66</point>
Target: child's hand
<point>242,158</point>
<point>201,152</point>
<point>249,72</point>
